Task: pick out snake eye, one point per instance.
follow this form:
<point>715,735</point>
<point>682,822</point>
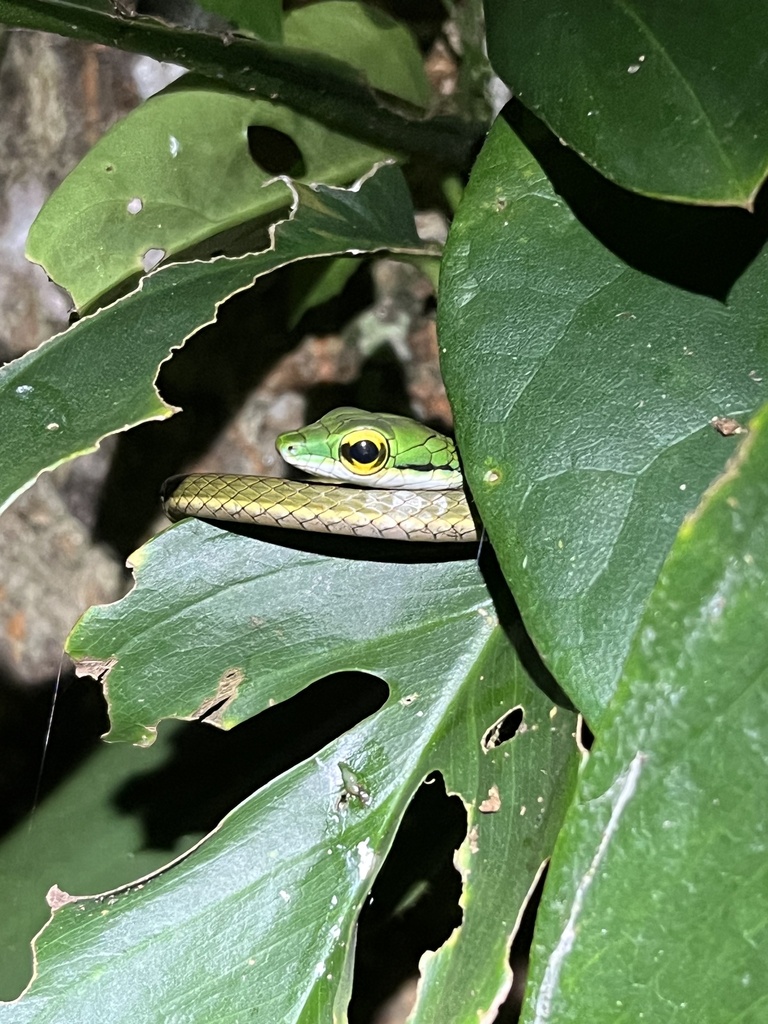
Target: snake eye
<point>364,451</point>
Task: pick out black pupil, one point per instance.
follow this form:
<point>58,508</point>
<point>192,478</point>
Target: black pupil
<point>364,452</point>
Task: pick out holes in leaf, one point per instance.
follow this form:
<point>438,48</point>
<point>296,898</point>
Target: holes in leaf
<point>519,954</point>
<point>207,772</point>
<point>275,152</point>
<point>414,902</point>
<point>584,735</point>
<point>211,710</point>
<point>505,728</point>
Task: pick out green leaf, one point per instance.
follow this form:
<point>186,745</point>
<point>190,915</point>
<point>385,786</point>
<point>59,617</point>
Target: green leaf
<point>666,99</point>
<point>315,283</point>
<point>80,840</point>
<point>661,867</point>
<point>584,390</point>
<point>327,89</point>
<point>97,378</point>
<point>262,912</point>
<point>173,173</point>
<point>368,39</point>
<point>263,20</point>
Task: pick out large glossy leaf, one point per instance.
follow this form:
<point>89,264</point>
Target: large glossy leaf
<point>176,171</point>
<point>262,913</point>
<point>97,378</point>
<point>584,389</point>
<point>311,83</point>
<point>661,869</point>
<point>669,99</point>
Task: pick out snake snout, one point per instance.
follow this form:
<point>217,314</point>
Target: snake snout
<point>293,452</point>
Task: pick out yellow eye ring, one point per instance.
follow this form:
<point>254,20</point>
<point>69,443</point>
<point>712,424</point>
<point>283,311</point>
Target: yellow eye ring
<point>364,451</point>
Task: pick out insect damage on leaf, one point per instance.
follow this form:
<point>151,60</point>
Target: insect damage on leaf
<point>97,668</point>
<point>492,802</point>
<point>727,426</point>
<point>56,897</point>
<point>226,690</point>
<point>504,728</point>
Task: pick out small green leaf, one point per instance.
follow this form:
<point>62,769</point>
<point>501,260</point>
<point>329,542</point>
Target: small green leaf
<point>669,99</point>
<point>661,866</point>
<point>584,391</point>
<point>367,39</point>
<point>312,284</point>
<point>263,20</point>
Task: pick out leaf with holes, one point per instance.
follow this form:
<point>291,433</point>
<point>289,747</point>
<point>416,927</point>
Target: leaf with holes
<point>262,912</point>
<point>191,171</point>
<point>661,866</point>
<point>174,176</point>
<point>97,378</point>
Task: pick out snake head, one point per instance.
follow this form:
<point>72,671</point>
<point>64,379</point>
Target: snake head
<point>373,450</point>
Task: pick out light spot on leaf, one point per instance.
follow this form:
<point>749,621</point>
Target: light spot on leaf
<point>474,846</point>
<point>151,258</point>
<point>492,802</point>
<point>727,426</point>
<point>56,897</point>
<point>366,858</point>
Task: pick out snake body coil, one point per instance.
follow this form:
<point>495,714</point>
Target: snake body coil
<point>416,494</point>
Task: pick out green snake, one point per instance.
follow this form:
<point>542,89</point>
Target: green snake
<point>409,483</point>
